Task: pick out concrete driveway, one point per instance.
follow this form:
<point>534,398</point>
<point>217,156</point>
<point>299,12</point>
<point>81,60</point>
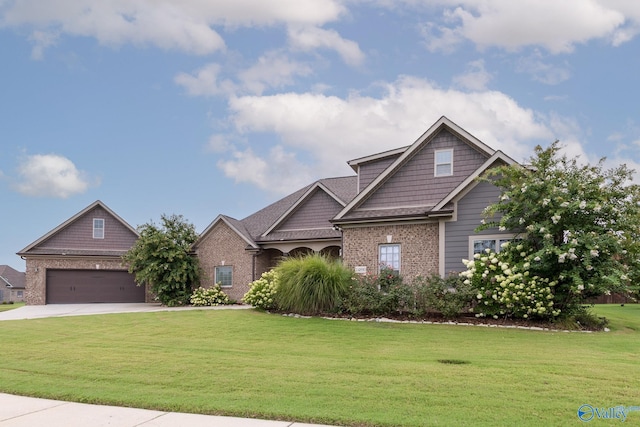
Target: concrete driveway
<point>59,310</point>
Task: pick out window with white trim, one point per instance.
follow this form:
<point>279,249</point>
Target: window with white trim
<point>443,162</point>
<point>478,244</point>
<point>389,257</point>
<point>98,228</point>
<point>224,276</point>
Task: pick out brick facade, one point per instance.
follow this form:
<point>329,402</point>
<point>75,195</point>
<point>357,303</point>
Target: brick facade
<point>418,247</point>
<point>36,273</point>
<point>223,246</point>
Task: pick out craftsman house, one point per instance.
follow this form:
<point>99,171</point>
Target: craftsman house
<point>80,261</point>
<point>413,209</point>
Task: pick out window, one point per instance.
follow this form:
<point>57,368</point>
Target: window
<point>443,162</point>
<point>224,276</point>
<point>98,228</point>
<point>20,294</point>
<point>389,257</point>
<point>478,244</point>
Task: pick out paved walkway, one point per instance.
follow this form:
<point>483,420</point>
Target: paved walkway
<point>19,411</point>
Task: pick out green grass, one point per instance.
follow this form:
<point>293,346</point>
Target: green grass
<point>7,307</point>
<point>247,363</point>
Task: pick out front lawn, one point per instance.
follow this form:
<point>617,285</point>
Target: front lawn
<point>7,307</point>
<point>247,363</point>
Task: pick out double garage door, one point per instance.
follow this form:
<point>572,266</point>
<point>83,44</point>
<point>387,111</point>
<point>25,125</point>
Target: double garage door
<point>89,286</point>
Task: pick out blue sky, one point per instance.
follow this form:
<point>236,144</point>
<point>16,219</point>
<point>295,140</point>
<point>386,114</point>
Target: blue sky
<point>205,107</point>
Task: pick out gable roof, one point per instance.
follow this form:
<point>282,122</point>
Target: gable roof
<point>232,223</point>
<point>72,220</point>
<point>256,226</point>
<point>407,153</point>
<point>497,157</point>
<point>322,185</point>
<point>11,278</point>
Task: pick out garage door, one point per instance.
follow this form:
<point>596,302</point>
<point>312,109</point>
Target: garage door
<point>88,286</point>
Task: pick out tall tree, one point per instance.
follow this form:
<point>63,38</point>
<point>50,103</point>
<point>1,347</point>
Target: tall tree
<point>579,224</point>
<point>161,258</point>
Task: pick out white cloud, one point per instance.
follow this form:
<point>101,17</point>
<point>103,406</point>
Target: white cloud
<point>50,175</point>
<point>272,70</point>
<point>278,172</point>
<point>204,82</point>
<point>475,78</point>
<point>41,40</point>
<point>184,25</point>
<point>541,71</point>
<point>332,130</point>
<point>555,25</point>
<point>311,38</point>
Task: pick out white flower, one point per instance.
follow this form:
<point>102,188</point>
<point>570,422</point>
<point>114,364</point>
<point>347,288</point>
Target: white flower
<point>564,204</point>
<point>583,204</point>
<point>537,259</point>
<point>545,202</point>
<point>502,228</point>
<point>594,253</point>
<point>581,287</point>
<point>556,218</point>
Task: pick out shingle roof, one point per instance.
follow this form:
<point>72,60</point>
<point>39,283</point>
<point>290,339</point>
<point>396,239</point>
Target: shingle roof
<point>344,188</point>
<point>11,277</point>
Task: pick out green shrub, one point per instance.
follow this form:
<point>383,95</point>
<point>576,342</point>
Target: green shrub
<point>384,294</point>
<point>312,284</point>
<point>449,296</point>
<point>209,296</point>
<point>262,292</point>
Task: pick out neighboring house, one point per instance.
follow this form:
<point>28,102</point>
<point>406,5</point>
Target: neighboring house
<point>413,209</point>
<point>11,284</point>
<point>80,261</point>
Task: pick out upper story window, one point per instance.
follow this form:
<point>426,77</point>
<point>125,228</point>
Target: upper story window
<point>443,162</point>
<point>98,228</point>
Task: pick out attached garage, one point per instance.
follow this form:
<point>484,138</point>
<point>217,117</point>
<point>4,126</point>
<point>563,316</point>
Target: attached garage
<point>90,286</point>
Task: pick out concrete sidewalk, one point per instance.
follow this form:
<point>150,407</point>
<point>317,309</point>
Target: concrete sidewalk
<point>59,310</point>
<point>19,411</point>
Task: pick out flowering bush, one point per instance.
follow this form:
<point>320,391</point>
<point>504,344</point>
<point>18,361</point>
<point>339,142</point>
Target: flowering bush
<point>262,292</point>
<point>209,296</point>
<point>579,226</point>
<point>505,289</point>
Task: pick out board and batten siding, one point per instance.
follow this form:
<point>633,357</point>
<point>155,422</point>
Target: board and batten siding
<point>414,183</point>
<point>469,214</point>
<point>314,213</point>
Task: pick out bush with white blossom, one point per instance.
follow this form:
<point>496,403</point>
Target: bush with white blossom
<point>262,292</point>
<point>578,226</point>
<point>506,290</point>
<point>209,296</point>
